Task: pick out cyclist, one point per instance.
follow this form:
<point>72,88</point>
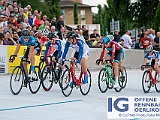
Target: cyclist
<point>80,52</point>
<point>113,52</point>
<point>56,45</point>
<point>33,48</point>
<point>154,56</point>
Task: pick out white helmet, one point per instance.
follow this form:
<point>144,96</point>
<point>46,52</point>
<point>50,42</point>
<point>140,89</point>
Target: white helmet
<point>149,48</point>
<point>111,37</point>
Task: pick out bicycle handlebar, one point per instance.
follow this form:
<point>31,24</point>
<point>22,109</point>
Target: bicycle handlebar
<point>147,66</point>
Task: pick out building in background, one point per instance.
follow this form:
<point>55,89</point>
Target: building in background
<point>84,12</point>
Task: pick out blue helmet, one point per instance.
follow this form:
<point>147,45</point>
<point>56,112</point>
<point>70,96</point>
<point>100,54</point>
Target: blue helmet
<point>106,40</point>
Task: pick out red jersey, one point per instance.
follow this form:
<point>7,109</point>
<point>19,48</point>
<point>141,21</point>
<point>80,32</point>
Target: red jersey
<point>113,46</point>
<point>145,42</point>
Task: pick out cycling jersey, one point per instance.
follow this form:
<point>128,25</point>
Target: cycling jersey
<point>57,47</point>
<point>113,48</point>
<point>81,47</point>
<point>154,55</point>
<point>31,42</point>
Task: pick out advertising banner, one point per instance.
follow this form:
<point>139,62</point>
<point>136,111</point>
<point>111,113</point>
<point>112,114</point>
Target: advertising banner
<point>3,60</point>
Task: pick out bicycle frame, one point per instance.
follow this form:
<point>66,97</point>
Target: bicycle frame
<point>150,69</point>
<point>109,74</point>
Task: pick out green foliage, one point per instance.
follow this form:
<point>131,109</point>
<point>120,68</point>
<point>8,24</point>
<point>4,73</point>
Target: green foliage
<point>75,12</point>
<point>157,19</point>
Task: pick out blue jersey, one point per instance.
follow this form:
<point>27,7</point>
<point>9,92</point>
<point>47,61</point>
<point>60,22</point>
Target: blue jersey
<point>31,42</point>
<point>154,55</point>
<point>78,47</point>
<point>57,46</point>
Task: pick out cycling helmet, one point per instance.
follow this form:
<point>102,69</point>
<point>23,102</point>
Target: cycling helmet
<point>111,37</point>
<point>51,35</point>
<point>106,40</point>
<point>149,48</point>
<point>45,32</point>
<point>25,33</point>
<point>71,35</point>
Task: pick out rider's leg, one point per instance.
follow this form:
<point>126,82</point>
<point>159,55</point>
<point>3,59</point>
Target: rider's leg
<point>116,73</point>
<point>84,67</point>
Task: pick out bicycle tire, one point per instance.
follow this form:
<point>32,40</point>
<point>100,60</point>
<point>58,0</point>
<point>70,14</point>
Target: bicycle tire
<point>157,84</point>
<point>104,81</point>
<point>21,82</point>
<point>46,82</point>
<point>124,82</point>
<point>67,82</point>
<point>84,85</point>
<point>35,82</point>
<point>143,80</point>
<point>119,88</point>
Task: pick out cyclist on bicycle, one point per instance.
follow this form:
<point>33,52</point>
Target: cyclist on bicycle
<point>154,56</point>
<point>56,45</point>
<point>80,52</point>
<point>113,52</point>
<point>33,48</point>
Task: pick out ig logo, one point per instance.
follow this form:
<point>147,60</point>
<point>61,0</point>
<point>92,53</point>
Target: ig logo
<point>115,104</point>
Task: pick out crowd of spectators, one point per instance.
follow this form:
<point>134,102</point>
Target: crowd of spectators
<point>14,18</point>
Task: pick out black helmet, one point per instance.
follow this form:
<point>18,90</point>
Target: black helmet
<point>25,33</point>
<point>71,35</point>
<point>51,35</point>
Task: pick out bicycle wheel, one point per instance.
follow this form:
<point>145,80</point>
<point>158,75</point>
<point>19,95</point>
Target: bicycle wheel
<point>157,85</point>
<point>119,88</point>
<point>124,78</point>
<point>146,82</point>
<point>110,82</point>
<point>16,80</point>
<point>103,80</point>
<point>35,81</point>
<point>85,88</point>
<point>66,85</point>
<point>47,78</point>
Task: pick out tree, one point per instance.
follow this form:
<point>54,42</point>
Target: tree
<point>100,11</point>
<point>75,12</point>
<point>157,18</point>
<point>52,8</point>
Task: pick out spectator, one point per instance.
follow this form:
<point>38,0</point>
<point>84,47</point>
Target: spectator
<point>20,18</point>
<point>2,23</point>
<point>16,13</point>
<point>19,7</point>
<point>127,40</point>
<point>1,5</point>
<point>25,23</point>
<point>86,37</point>
<point>9,27</point>
<point>25,10</point>
<point>44,18</point>
<point>54,22</point>
<point>9,10</point>
<point>31,33</point>
<point>152,36</point>
<point>15,4</point>
<point>8,40</point>
<point>29,9</point>
<point>156,40</point>
<point>94,36</point>
<point>30,19</point>
<point>15,36</point>
<point>37,21</point>
<point>34,28</point>
<point>5,4</point>
<point>116,35</point>
<point>60,23</point>
<point>53,29</point>
<point>83,27</point>
<point>42,27</point>
<point>146,41</point>
<point>60,33</point>
<point>1,38</point>
<point>13,19</point>
<point>78,27</point>
<point>80,35</point>
<point>38,35</point>
<point>20,28</point>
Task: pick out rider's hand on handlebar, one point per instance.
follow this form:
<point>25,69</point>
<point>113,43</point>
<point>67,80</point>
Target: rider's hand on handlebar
<point>142,68</point>
<point>97,62</point>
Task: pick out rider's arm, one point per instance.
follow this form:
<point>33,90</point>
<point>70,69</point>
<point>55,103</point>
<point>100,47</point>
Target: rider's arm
<point>102,52</point>
<point>65,50</point>
<point>113,53</point>
<point>59,48</point>
<point>80,43</point>
<point>47,47</point>
<point>30,52</point>
<point>17,49</point>
<point>145,58</point>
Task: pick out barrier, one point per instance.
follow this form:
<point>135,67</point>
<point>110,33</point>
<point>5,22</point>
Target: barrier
<point>133,58</point>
